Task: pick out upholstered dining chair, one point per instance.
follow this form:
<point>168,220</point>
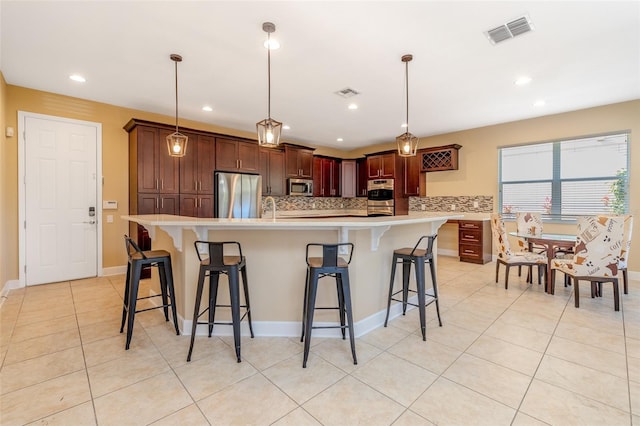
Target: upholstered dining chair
<point>624,254</point>
<point>528,224</point>
<point>596,255</point>
<point>512,258</point>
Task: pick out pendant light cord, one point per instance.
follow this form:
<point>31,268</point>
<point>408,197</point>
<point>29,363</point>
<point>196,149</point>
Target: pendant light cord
<point>406,78</point>
<point>176,74</point>
<point>269,75</point>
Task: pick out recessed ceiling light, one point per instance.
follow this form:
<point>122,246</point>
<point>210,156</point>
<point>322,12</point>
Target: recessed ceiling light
<point>353,106</point>
<point>404,125</point>
<point>207,108</point>
<point>272,44</point>
<point>339,139</point>
<point>285,127</point>
<point>539,103</point>
<point>521,81</point>
<point>78,78</point>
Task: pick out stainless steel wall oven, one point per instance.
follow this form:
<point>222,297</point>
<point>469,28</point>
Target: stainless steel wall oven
<point>380,197</point>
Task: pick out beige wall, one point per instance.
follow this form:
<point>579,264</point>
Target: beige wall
<point>477,173</point>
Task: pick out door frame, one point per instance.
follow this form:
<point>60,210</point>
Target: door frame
<point>22,116</point>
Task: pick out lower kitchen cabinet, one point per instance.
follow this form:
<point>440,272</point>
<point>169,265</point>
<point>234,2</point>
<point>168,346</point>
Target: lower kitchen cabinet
<point>196,205</point>
<point>474,241</point>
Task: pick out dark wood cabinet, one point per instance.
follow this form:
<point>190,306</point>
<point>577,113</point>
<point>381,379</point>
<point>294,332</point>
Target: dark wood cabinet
<point>196,205</point>
<point>326,177</point>
<point>474,241</point>
<point>348,179</point>
<point>298,162</point>
<point>381,166</point>
<point>198,165</point>
<point>155,171</point>
<point>439,158</point>
<point>362,177</point>
<point>272,169</point>
<point>234,155</point>
<point>411,179</point>
<point>158,203</point>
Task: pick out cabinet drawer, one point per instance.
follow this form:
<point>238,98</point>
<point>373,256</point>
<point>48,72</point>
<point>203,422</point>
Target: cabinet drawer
<point>469,224</point>
<point>472,251</point>
<point>470,236</point>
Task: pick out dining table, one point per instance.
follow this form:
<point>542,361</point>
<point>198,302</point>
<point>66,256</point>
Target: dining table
<point>551,243</point>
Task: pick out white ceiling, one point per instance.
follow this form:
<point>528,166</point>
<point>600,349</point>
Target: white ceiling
<point>581,54</point>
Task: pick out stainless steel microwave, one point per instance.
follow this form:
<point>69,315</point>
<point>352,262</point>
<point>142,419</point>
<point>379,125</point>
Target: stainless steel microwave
<point>301,187</point>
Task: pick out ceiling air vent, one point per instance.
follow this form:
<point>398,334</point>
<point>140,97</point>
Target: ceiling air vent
<point>347,92</point>
<point>509,30</point>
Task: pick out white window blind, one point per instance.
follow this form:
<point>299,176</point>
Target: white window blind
<point>566,178</point>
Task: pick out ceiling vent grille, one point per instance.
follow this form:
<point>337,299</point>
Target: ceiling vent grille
<point>347,92</point>
<point>509,30</point>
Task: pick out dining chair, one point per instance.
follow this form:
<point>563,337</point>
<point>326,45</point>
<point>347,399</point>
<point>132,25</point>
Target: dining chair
<point>529,224</point>
<point>513,258</point>
<point>624,254</point>
<point>596,255</point>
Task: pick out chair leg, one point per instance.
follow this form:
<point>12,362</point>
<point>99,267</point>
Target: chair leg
<point>391,282</point>
<point>196,310</point>
<point>616,295</point>
<point>506,276</point>
<point>163,289</point>
<point>133,298</point>
<point>125,298</point>
<point>346,288</point>
<point>304,305</point>
<point>245,286</point>
<point>341,304</point>
<point>625,280</point>
<point>419,266</point>
<point>406,272</point>
<point>214,279</point>
<point>497,268</point>
<point>171,293</point>
<point>310,306</point>
<point>576,292</point>
<point>432,267</point>
<point>234,292</point>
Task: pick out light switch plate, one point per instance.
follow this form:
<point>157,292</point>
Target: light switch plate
<point>109,205</point>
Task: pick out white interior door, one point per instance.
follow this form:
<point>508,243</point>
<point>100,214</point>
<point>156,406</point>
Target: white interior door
<point>61,211</point>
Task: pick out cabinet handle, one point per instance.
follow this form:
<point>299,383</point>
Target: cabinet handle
<point>468,251</point>
<point>240,162</point>
<point>161,183</point>
<point>195,184</point>
<point>157,204</point>
<point>162,203</point>
<point>157,184</point>
<point>200,201</point>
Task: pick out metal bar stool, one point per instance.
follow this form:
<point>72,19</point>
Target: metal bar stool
<point>212,266</point>
<point>137,260</point>
<point>417,257</point>
<point>329,265</point>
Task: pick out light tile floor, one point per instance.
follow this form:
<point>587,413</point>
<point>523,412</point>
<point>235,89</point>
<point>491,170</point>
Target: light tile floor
<point>502,357</point>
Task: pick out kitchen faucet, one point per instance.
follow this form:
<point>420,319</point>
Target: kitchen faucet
<point>273,206</point>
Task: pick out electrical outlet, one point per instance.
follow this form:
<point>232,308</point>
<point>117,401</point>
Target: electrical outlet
<point>453,206</point>
<point>475,205</point>
<point>423,207</point>
<point>313,205</point>
<point>342,205</point>
<point>109,218</point>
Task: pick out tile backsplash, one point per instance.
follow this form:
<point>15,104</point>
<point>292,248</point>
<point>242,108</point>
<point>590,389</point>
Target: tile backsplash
<point>463,204</point>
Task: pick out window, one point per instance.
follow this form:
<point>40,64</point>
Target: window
<point>568,178</point>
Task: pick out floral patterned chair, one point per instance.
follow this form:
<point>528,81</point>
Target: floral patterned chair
<point>510,258</point>
<point>528,224</point>
<point>624,254</point>
<point>596,255</point>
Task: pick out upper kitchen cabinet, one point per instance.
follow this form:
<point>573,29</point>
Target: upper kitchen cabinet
<point>272,170</point>
<point>298,161</point>
<point>349,179</point>
<point>362,177</point>
<point>197,166</point>
<point>326,177</point>
<point>233,155</point>
<point>411,179</point>
<point>381,166</point>
<point>439,158</point>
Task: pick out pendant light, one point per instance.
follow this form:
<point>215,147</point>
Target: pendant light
<point>177,142</point>
<point>269,129</point>
<point>407,143</point>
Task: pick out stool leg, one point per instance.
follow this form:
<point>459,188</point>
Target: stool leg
<point>406,272</point>
<point>341,303</point>
<point>304,305</point>
<point>419,265</point>
<point>245,287</point>
<point>133,298</point>
<point>432,268</point>
<point>393,275</point>
<point>168,272</point>
<point>163,288</point>
<point>214,277</point>
<point>234,293</point>
<point>125,298</point>
<point>196,310</point>
<point>346,288</point>
<point>310,306</point>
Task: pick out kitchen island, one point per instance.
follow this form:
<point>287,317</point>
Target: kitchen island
<point>276,262</point>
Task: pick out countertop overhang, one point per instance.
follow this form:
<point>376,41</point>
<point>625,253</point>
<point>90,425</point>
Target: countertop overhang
<point>174,225</point>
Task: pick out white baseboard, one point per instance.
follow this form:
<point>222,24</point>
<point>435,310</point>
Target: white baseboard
<point>7,287</point>
<point>114,270</point>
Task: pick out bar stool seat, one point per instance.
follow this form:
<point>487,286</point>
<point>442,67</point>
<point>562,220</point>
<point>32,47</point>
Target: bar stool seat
<point>212,266</point>
<point>329,265</point>
<point>417,257</point>
<point>137,260</point>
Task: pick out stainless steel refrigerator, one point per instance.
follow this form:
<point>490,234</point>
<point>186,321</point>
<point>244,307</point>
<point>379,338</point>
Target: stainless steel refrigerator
<point>237,195</point>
